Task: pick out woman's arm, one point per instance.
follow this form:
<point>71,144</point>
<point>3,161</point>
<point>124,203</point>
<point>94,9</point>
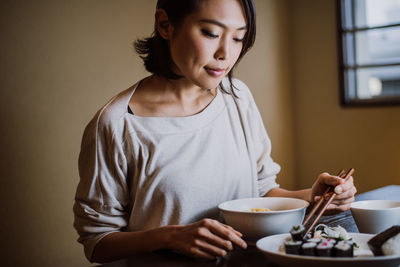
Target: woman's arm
<point>118,245</point>
<point>345,191</point>
<point>280,192</point>
<point>204,239</point>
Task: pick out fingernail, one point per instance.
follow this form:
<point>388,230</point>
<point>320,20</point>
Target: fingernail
<point>244,245</point>
<point>339,190</point>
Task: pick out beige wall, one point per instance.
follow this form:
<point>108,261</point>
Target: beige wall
<point>62,60</point>
<point>327,136</point>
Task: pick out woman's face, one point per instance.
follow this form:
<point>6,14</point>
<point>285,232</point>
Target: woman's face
<point>208,43</point>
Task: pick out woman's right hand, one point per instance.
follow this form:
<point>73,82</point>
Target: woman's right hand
<point>204,239</point>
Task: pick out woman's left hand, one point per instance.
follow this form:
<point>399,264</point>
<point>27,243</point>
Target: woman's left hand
<point>345,191</point>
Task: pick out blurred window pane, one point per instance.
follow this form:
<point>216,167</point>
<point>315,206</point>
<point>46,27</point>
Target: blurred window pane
<point>379,82</point>
<point>372,13</point>
<point>370,51</point>
<point>378,46</point>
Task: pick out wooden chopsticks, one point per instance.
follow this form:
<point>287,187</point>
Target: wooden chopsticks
<point>329,192</point>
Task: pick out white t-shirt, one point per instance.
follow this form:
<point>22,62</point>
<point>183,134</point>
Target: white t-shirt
<point>139,173</point>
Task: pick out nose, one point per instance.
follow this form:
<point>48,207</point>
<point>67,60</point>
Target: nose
<point>223,50</point>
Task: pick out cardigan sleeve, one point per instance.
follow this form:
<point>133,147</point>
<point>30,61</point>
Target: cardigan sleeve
<point>102,196</point>
<point>267,169</point>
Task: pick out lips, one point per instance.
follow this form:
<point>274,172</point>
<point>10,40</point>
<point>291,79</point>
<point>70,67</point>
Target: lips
<point>216,72</point>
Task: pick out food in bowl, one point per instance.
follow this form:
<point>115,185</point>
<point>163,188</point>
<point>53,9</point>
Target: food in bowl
<point>387,242</point>
<point>284,212</point>
<point>260,209</point>
<point>323,241</point>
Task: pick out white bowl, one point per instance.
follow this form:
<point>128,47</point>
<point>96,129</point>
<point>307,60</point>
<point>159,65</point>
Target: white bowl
<point>374,216</point>
<point>284,214</point>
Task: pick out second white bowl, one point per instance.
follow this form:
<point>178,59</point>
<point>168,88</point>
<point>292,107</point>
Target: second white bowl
<point>374,216</point>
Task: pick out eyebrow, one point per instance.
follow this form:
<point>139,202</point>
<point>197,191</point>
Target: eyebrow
<point>221,24</point>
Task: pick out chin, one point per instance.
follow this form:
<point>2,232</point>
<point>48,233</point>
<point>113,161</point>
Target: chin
<point>209,83</point>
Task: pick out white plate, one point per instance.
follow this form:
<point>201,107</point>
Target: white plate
<point>273,248</point>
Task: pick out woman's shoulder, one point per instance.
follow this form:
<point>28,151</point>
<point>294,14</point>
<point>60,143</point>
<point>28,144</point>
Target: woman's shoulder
<point>241,92</point>
<point>115,108</point>
<point>108,118</point>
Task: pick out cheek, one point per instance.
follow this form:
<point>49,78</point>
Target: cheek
<point>190,51</point>
<point>237,51</point>
<point>200,50</point>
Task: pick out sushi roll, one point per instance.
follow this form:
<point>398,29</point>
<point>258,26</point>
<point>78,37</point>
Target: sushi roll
<point>314,240</point>
<point>293,247</point>
<point>308,248</point>
<point>330,241</point>
<point>325,248</point>
<point>307,236</point>
<point>297,232</point>
<point>343,249</point>
<point>386,242</point>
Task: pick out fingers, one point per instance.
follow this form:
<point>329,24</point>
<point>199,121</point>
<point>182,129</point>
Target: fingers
<point>212,240</point>
<point>327,179</point>
<point>340,202</point>
<point>222,233</point>
<point>344,185</point>
<point>343,201</point>
<point>341,185</point>
<point>205,239</point>
<point>239,234</point>
<point>344,189</point>
<point>205,249</point>
<point>347,194</point>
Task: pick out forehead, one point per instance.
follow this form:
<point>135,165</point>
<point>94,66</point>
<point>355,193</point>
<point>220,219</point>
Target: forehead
<point>228,12</point>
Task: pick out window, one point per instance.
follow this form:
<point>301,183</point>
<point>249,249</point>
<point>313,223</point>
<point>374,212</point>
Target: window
<point>370,51</point>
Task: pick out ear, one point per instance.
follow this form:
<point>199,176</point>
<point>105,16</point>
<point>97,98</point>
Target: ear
<point>163,25</point>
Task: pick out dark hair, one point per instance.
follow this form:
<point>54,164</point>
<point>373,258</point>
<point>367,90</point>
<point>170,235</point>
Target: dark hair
<point>155,52</point>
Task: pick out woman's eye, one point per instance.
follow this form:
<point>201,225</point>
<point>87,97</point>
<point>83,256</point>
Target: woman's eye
<point>209,34</point>
<point>240,40</point>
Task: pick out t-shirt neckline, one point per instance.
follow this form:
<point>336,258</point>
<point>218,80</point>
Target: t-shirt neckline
<point>180,124</point>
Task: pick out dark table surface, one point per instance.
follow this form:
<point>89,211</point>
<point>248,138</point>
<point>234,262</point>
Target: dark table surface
<point>251,256</point>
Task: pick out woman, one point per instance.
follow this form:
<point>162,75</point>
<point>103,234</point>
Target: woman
<point>159,157</point>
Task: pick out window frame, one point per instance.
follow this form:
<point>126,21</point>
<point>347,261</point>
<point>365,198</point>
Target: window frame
<point>345,90</point>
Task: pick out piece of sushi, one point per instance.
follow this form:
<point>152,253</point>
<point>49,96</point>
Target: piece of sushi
<point>343,249</point>
<point>293,247</point>
<point>297,232</point>
<point>386,242</point>
<point>331,241</point>
<point>314,240</point>
<point>308,248</point>
<point>324,249</point>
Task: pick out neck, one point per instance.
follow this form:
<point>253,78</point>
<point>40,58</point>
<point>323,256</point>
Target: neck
<point>181,90</point>
<point>160,97</point>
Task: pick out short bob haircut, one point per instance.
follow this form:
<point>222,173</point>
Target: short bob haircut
<point>154,50</point>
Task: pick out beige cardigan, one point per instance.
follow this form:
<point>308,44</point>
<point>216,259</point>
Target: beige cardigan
<point>138,173</point>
